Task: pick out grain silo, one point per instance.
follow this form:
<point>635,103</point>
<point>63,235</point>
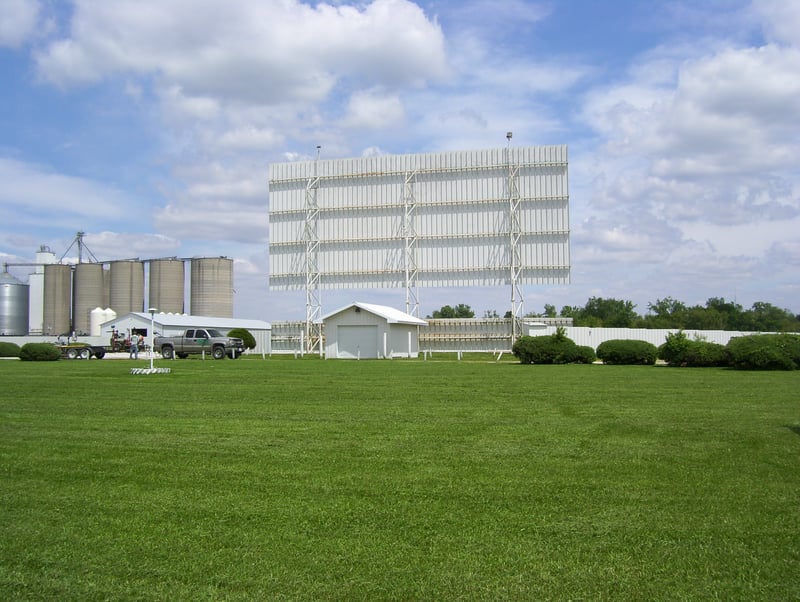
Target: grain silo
<point>126,281</point>
<point>212,287</point>
<point>14,296</point>
<point>57,295</point>
<point>166,285</point>
<point>87,294</point>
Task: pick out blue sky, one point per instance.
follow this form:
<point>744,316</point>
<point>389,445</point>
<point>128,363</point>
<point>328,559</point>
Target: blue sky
<point>150,125</point>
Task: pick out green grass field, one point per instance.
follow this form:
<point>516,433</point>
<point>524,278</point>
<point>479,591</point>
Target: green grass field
<point>285,479</point>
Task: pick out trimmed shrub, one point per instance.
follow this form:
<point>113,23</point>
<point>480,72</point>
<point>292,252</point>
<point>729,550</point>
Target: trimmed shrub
<point>625,352</point>
<point>247,338</point>
<point>585,355</point>
<point>39,352</point>
<point>9,349</point>
<point>764,352</point>
<point>680,351</point>
<point>552,349</point>
<point>702,354</point>
<point>674,349</point>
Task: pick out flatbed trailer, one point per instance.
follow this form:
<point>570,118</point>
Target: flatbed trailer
<point>81,351</point>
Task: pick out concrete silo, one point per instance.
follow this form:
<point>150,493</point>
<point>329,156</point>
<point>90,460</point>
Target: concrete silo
<point>126,281</point>
<point>87,294</point>
<point>212,287</point>
<point>14,296</point>
<point>166,285</point>
<point>57,296</point>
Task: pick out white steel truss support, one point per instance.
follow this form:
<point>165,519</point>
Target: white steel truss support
<point>514,255</point>
<point>410,240</point>
<point>311,237</point>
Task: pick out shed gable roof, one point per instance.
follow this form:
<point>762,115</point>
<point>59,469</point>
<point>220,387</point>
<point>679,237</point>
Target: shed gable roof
<point>390,314</point>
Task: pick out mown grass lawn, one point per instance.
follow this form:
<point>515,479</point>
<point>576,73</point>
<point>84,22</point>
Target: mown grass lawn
<point>286,479</point>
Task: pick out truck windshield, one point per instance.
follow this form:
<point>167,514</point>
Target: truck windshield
<point>212,332</point>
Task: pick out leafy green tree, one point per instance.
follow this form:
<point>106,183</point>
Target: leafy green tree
<point>665,313</point>
<point>459,311</point>
<point>610,313</point>
<point>765,317</point>
<point>731,313</point>
<point>570,311</point>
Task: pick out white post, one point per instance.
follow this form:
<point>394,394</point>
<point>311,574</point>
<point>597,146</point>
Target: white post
<point>152,311</point>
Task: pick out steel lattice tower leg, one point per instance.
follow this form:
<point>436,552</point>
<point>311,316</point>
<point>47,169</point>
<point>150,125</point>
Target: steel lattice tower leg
<point>410,239</point>
<point>311,237</point>
<point>514,236</point>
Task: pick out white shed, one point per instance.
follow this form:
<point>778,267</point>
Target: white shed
<point>167,324</point>
<point>364,330</point>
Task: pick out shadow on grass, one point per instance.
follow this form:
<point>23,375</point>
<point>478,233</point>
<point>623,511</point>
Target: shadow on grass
<point>794,428</point>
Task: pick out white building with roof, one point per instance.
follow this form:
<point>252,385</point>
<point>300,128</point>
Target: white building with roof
<point>166,324</point>
<point>368,331</point>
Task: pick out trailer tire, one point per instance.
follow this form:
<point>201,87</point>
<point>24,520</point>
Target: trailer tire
<point>167,352</point>
<point>72,354</point>
<point>85,354</point>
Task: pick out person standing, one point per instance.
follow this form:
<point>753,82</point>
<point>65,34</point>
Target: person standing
<point>134,352</point>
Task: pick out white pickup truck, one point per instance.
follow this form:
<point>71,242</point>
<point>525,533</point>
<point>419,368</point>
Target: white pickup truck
<point>199,340</point>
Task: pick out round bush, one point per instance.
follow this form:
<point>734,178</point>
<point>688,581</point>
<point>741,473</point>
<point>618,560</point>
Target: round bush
<point>702,354</point>
<point>9,349</point>
<point>674,349</point>
<point>680,351</point>
<point>764,352</point>
<point>585,355</point>
<point>39,352</point>
<point>553,349</point>
<point>625,352</point>
<point>247,338</point>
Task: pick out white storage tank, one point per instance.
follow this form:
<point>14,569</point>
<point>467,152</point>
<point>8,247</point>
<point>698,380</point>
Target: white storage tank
<point>14,297</point>
<point>57,296</point>
<point>44,256</point>
<point>212,287</point>
<point>96,318</point>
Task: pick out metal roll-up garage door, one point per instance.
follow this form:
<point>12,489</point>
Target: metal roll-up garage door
<point>358,342</point>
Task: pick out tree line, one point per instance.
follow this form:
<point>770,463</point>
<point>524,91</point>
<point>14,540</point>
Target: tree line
<point>716,314</point>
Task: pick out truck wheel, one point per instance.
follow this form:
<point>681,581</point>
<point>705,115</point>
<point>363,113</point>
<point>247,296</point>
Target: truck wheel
<point>85,354</point>
<point>218,353</point>
<point>72,354</point>
<point>100,354</point>
<point>167,353</point>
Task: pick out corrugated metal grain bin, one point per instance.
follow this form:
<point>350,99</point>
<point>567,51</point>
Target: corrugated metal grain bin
<point>167,285</point>
<point>126,292</point>
<point>57,297</point>
<point>212,287</point>
<point>14,296</point>
<point>87,294</point>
